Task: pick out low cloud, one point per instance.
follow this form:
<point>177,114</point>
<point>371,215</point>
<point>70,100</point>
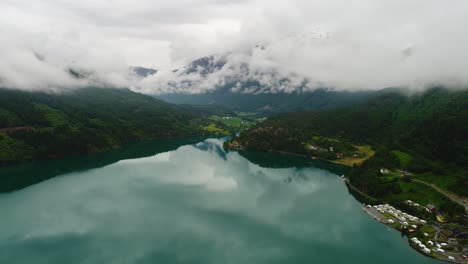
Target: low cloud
<point>282,46</point>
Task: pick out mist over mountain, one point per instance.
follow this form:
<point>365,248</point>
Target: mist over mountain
<point>285,46</point>
<point>270,103</point>
<point>142,71</point>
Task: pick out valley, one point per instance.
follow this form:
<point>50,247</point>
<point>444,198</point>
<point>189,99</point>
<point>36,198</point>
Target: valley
<point>369,138</point>
<point>233,132</point>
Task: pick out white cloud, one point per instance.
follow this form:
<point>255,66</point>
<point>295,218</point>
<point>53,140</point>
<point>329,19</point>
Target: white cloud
<point>363,44</point>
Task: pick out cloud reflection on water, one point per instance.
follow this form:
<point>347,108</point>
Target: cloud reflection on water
<point>191,205</point>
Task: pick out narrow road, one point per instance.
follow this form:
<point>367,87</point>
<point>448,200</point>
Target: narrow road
<point>463,201</point>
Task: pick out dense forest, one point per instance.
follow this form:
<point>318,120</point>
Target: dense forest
<point>423,133</point>
<point>433,125</point>
<point>37,125</point>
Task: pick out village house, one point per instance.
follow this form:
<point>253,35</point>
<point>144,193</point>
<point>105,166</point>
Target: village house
<point>312,147</point>
<point>431,208</point>
<point>384,171</point>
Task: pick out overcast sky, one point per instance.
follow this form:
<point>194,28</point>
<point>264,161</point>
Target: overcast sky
<point>346,44</point>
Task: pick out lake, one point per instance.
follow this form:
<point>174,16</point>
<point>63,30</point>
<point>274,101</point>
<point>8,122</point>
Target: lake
<point>195,204</point>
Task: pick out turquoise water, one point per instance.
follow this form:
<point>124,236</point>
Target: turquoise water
<point>196,204</point>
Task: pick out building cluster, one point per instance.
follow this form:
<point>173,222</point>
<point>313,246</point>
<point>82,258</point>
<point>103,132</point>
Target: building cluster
<point>429,244</point>
<point>329,149</point>
<point>402,217</point>
<point>442,245</point>
<point>411,203</point>
<point>235,145</point>
<point>430,208</point>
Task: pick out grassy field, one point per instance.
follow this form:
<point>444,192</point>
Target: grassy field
<point>419,193</point>
<point>442,181</point>
<point>229,121</point>
<point>233,122</point>
<point>350,161</point>
<point>213,129</point>
<point>390,176</point>
<point>427,229</point>
<point>247,114</point>
<point>448,180</point>
<point>403,157</point>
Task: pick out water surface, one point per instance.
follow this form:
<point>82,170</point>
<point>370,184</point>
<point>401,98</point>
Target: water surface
<point>196,204</point>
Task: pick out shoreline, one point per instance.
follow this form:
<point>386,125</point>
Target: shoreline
<point>312,158</point>
<point>306,156</point>
<point>383,219</point>
<point>341,161</point>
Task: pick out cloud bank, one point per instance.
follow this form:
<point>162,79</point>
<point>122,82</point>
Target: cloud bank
<point>282,45</point>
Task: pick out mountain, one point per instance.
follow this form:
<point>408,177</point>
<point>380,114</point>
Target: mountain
<point>424,134</point>
<point>433,123</point>
<point>143,72</point>
<point>229,81</point>
<point>205,65</point>
<point>37,125</point>
<point>271,102</point>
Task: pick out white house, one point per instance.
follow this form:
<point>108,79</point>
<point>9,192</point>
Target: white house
<point>384,171</point>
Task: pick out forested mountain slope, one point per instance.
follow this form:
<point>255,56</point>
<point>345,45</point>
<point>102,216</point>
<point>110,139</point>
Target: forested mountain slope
<point>240,88</point>
<point>434,124</point>
<point>270,103</point>
<point>36,125</point>
<point>424,133</point>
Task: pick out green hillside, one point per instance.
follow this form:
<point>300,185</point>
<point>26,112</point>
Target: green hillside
<point>36,125</point>
<point>432,125</point>
<point>423,134</point>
